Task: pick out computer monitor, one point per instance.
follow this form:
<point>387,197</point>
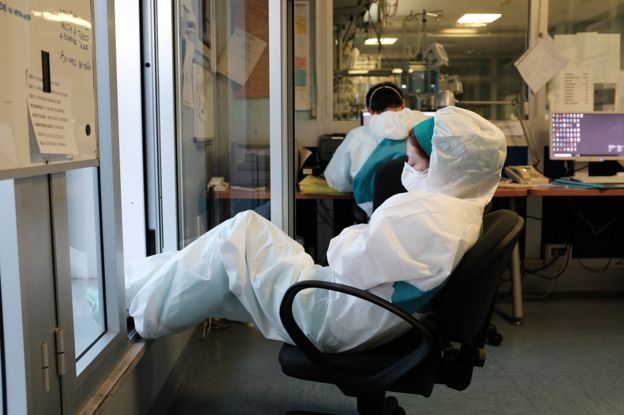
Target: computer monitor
<point>586,136</point>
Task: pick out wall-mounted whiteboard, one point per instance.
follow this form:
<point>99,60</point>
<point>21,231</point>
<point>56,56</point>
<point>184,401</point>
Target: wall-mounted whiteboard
<point>47,94</point>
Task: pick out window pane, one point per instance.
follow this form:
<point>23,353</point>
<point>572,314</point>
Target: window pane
<point>223,117</point>
<point>590,37</point>
<point>432,53</point>
<point>85,257</point>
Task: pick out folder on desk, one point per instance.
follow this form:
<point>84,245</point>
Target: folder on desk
<point>316,185</point>
<point>583,185</point>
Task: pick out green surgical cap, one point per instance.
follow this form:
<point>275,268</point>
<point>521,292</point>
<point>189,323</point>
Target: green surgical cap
<point>424,133</point>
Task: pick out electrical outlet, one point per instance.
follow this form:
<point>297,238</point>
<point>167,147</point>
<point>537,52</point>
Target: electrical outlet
<point>552,251</point>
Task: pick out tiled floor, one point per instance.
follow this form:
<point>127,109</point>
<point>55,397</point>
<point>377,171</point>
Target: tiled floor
<point>568,358</point>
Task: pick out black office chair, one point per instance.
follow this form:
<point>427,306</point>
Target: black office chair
<point>423,356</point>
<point>388,181</point>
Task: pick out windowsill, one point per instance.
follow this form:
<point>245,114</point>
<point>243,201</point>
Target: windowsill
<point>107,390</point>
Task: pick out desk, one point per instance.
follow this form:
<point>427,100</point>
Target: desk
<point>539,191</point>
<point>266,195</point>
<point>563,191</point>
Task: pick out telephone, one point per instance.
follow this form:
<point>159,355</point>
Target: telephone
<point>218,183</point>
<point>526,175</point>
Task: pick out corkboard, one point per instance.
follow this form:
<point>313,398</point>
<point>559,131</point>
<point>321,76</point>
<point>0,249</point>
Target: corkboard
<point>252,16</point>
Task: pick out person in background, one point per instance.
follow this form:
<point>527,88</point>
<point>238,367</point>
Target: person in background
<point>352,167</point>
<point>241,269</point>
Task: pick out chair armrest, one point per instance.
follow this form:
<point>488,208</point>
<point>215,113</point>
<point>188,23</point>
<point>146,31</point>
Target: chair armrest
<point>383,377</point>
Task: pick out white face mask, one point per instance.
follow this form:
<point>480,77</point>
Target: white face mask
<point>410,178</point>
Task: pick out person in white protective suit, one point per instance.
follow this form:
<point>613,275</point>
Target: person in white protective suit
<point>352,167</point>
<point>241,269</point>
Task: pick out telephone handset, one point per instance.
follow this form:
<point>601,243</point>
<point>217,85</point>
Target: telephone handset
<point>526,175</point>
<point>218,184</point>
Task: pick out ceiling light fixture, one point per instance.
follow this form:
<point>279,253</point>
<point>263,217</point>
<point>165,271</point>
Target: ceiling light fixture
<point>459,31</point>
<point>357,71</point>
<point>478,19</point>
<point>382,40</point>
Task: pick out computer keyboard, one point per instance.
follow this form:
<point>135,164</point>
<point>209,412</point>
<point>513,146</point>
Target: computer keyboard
<point>615,179</point>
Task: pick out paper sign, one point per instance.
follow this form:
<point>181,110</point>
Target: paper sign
<point>540,63</point>
<point>241,55</point>
<point>204,108</point>
<point>575,91</point>
<point>50,116</point>
<point>302,55</point>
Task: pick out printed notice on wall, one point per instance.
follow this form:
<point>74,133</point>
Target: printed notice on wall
<point>302,55</point>
<point>50,116</point>
<point>575,90</point>
<point>241,56</point>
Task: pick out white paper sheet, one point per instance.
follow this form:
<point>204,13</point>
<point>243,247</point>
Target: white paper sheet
<point>187,74</point>
<point>241,56</point>
<point>50,115</point>
<point>204,108</point>
<point>540,63</point>
<point>575,90</point>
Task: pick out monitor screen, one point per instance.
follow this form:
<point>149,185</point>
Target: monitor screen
<point>586,136</point>
<point>365,117</point>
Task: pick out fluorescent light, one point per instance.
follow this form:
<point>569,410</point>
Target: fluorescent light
<point>397,70</point>
<point>383,41</point>
<point>478,18</point>
<point>459,31</point>
<point>357,71</point>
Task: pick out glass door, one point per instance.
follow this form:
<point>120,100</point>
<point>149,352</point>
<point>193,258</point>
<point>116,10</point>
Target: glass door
<point>222,107</point>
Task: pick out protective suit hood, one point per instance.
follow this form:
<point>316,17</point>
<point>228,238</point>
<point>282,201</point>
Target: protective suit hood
<point>467,157</point>
<point>395,124</point>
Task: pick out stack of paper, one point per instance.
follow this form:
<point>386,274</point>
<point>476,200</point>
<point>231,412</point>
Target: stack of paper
<point>316,185</point>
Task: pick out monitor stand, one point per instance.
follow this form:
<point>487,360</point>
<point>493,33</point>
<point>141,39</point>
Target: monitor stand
<point>604,168</point>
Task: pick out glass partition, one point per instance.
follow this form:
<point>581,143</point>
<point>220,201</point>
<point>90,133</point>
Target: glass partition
<point>222,101</point>
<point>85,257</point>
<point>431,52</point>
<point>589,35</point>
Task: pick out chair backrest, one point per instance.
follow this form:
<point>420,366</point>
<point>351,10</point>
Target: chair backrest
<point>387,180</point>
<point>464,306</point>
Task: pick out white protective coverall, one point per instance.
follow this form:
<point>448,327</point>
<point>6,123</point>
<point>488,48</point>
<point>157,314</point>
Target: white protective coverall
<point>360,142</point>
<point>240,269</point>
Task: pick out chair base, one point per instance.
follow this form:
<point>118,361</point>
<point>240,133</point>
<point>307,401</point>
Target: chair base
<point>368,405</point>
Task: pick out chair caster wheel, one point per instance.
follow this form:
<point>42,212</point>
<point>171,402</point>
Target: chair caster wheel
<point>493,337</point>
<point>391,406</point>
